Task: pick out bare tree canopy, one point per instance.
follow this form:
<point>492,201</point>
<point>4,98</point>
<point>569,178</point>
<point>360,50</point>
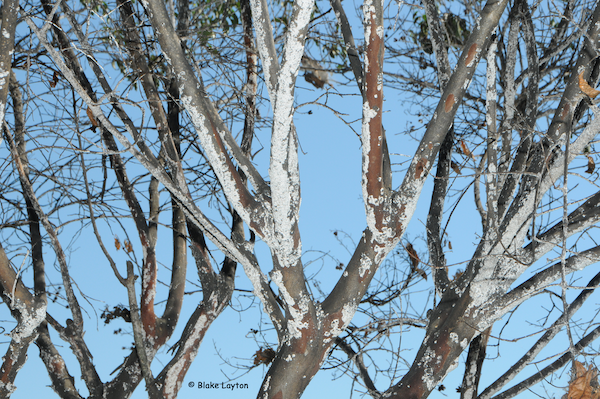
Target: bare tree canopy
<point>127,122</point>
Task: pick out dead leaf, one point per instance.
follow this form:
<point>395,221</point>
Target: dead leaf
<point>54,80</point>
<point>465,149</point>
<point>117,243</point>
<point>450,245</point>
<point>457,275</point>
<point>264,356</point>
<point>314,80</point>
<point>586,88</point>
<point>127,246</point>
<point>580,386</point>
<point>421,273</point>
<point>591,165</point>
<point>455,167</point>
<point>314,74</point>
<point>94,121</point>
<point>414,257</point>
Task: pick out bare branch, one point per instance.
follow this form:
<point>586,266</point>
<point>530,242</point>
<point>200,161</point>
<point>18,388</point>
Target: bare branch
<point>541,343</point>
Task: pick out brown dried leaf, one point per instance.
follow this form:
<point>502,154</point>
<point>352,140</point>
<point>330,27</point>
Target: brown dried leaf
<point>465,149</point>
<point>591,165</point>
<point>421,273</point>
<point>450,245</point>
<point>586,88</point>
<point>457,275</point>
<point>580,386</point>
<point>54,80</point>
<point>117,243</point>
<point>127,246</point>
<point>264,356</point>
<point>314,80</point>
<point>315,73</point>
<point>414,257</point>
<point>94,121</point>
<point>455,167</point>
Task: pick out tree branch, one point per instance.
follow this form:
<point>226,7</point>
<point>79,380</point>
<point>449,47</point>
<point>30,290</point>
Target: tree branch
<point>541,343</point>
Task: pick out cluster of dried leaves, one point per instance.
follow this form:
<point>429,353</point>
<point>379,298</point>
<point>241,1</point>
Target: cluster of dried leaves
<point>118,311</point>
<point>264,356</point>
<point>584,383</point>
<point>127,247</point>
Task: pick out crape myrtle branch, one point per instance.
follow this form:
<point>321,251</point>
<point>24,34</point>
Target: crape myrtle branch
<point>473,365</point>
<point>10,12</point>
<point>22,305</point>
<point>255,211</point>
<point>545,168</point>
<point>149,276</point>
<point>172,159</point>
<point>69,334</point>
<point>486,298</point>
<point>62,382</point>
<point>544,151</point>
<point>357,359</point>
<point>256,214</point>
<point>491,177</point>
<point>349,43</point>
<point>288,271</point>
<point>170,378</point>
<point>280,81</point>
<point>533,63</point>
<point>542,342</point>
<point>548,370</point>
<point>375,194</point>
<point>159,329</point>
<point>507,76</point>
<point>130,370</point>
<point>139,335</point>
<point>217,289</point>
<point>60,255</point>
<point>443,118</point>
<point>29,313</point>
<point>542,280</point>
<point>265,45</point>
<point>113,99</point>
<point>479,170</point>
<point>140,64</point>
<point>583,217</point>
<point>359,77</point>
<point>402,202</point>
<point>558,42</point>
<point>283,168</point>
<point>75,337</point>
<point>151,164</point>
<point>438,43</point>
<point>440,184</point>
<point>513,230</point>
<point>561,123</point>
